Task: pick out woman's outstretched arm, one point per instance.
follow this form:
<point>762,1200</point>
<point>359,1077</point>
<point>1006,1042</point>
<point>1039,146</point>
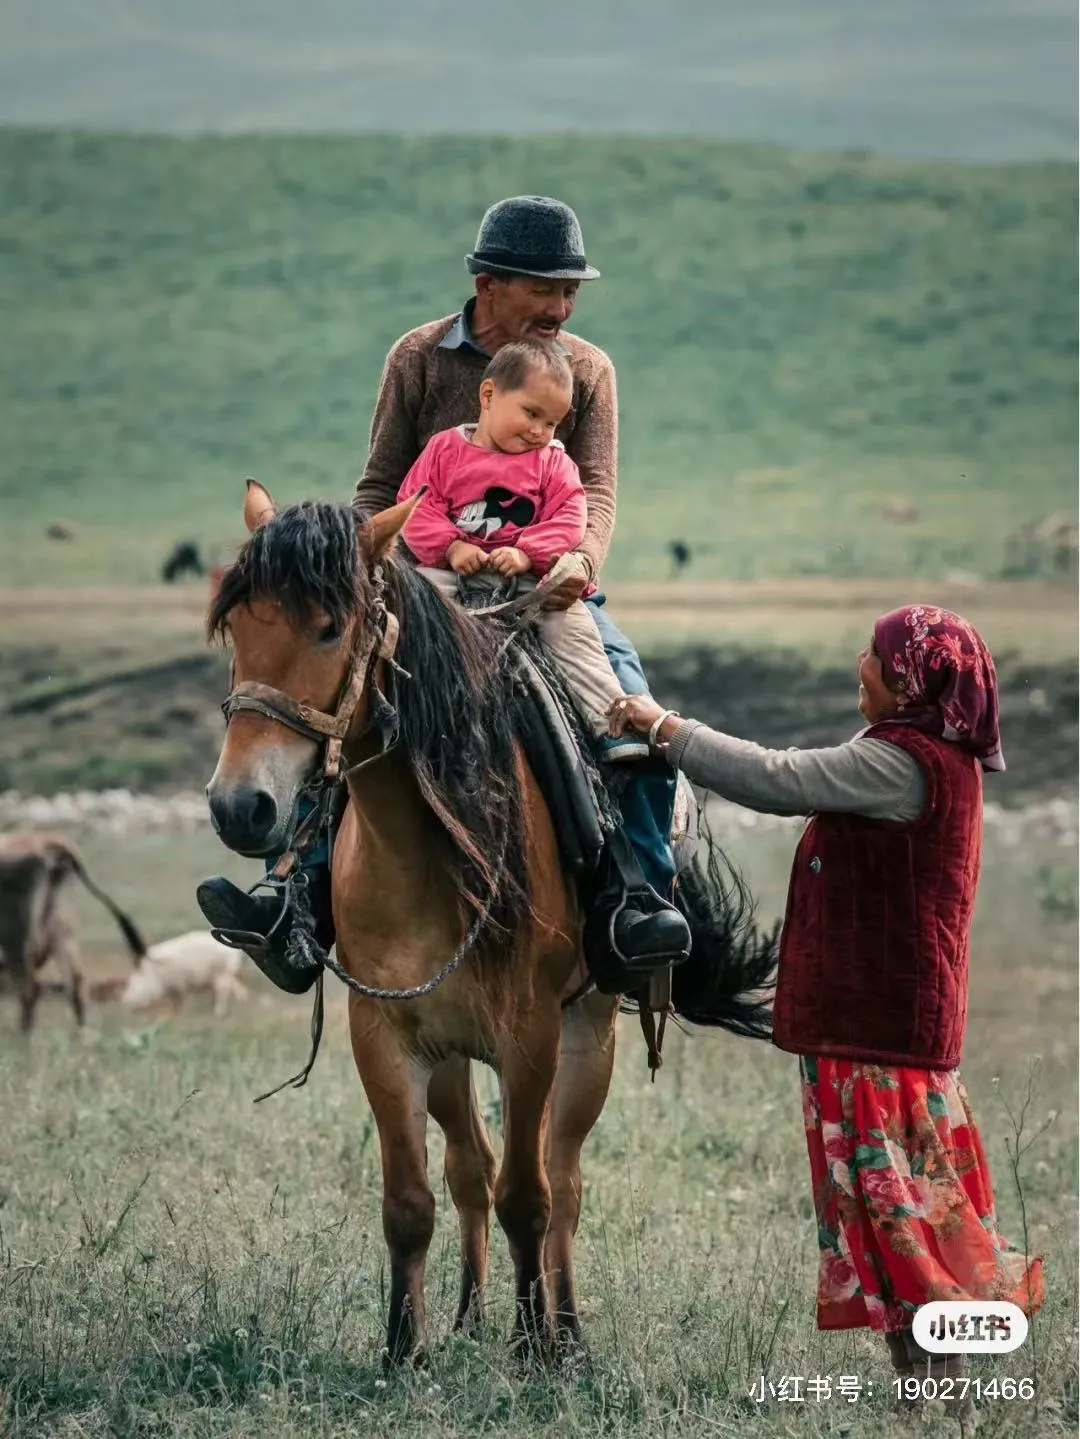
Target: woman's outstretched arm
<point>865,776</point>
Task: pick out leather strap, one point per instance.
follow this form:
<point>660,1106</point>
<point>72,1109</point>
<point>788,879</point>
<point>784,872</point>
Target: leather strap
<point>655,999</point>
<point>562,569</point>
<point>389,642</point>
<point>252,697</point>
<point>343,719</point>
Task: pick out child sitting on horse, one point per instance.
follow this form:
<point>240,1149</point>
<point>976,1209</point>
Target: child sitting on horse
<point>504,496</point>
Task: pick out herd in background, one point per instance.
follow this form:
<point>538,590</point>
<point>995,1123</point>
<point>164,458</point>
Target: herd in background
<point>37,872</point>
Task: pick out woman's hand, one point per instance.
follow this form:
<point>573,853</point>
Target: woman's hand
<point>508,561</point>
<point>633,712</point>
<point>466,559</point>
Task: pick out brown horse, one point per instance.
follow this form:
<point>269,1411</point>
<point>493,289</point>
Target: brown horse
<point>446,845</point>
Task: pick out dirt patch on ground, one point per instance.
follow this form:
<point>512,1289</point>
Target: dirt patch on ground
<point>157,726</point>
<point>114,686</point>
<point>781,699</point>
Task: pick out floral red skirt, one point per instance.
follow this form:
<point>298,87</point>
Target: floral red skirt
<point>905,1208</point>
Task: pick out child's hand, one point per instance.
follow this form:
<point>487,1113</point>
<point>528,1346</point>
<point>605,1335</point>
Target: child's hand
<point>508,561</point>
<point>466,559</point>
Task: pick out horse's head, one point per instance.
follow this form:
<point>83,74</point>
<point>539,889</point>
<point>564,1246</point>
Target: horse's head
<point>301,609</point>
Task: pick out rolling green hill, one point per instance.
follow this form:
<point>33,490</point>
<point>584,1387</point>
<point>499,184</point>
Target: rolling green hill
<point>800,340</point>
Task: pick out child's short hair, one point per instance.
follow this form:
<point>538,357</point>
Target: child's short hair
<point>512,365</point>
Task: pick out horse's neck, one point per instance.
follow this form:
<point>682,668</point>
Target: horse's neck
<point>392,893</point>
<point>392,820</point>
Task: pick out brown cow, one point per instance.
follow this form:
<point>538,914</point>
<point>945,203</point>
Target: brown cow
<point>35,869</point>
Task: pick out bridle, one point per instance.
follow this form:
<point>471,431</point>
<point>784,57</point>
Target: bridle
<point>328,729</point>
<point>250,696</point>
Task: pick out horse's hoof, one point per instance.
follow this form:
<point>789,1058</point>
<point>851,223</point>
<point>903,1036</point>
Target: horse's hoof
<point>531,1353</point>
<point>571,1352</point>
<point>410,1359</point>
<point>472,1329</point>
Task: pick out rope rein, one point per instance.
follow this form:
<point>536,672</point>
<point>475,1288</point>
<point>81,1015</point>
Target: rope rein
<point>305,947</point>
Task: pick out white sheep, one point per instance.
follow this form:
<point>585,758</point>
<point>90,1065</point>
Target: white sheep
<point>175,968</point>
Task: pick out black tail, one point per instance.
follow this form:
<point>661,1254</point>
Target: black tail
<point>135,941</point>
<point>729,979</point>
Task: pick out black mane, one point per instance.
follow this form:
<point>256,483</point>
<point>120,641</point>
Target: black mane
<point>306,557</point>
<point>456,713</point>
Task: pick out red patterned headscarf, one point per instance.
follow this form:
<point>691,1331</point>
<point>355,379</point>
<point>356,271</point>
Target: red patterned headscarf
<point>946,678</point>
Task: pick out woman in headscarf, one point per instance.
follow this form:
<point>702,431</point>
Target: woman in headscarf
<point>872,986</point>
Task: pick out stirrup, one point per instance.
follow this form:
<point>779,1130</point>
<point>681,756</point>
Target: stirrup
<point>251,941</point>
<point>246,940</point>
<point>645,965</point>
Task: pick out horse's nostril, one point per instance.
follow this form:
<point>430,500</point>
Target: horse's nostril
<point>243,818</point>
<point>262,812</point>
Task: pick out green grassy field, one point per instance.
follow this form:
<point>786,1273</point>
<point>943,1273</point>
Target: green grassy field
<point>800,339</point>
<point>174,1261</point>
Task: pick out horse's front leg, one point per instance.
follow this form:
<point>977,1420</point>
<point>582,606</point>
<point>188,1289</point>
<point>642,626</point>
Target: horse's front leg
<point>29,994</point>
<point>470,1177</point>
<point>396,1086</point>
<point>522,1193</point>
<point>581,1087</point>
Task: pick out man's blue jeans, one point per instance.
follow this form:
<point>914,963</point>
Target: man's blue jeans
<point>647,802</point>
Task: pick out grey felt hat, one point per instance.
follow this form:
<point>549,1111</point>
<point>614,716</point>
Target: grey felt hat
<point>531,235</point>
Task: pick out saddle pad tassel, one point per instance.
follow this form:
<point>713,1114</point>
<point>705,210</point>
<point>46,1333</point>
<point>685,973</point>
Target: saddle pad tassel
<point>655,999</point>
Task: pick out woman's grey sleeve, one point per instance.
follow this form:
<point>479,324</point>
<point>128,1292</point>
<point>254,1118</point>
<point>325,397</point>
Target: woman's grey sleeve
<point>868,777</point>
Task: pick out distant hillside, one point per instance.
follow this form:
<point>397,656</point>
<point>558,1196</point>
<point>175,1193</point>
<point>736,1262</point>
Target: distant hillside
<point>801,341</point>
<point>964,79</point>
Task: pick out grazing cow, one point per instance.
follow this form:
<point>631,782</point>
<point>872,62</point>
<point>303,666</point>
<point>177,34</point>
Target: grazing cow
<point>175,968</point>
<point>35,870</point>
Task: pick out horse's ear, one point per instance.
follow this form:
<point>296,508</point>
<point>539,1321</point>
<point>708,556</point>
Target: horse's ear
<point>382,530</point>
<point>258,506</point>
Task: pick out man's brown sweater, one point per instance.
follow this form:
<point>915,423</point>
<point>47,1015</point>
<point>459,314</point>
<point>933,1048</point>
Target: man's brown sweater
<point>427,387</point>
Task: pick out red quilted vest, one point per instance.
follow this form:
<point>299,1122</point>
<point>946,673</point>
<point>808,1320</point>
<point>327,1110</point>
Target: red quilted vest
<point>874,949</point>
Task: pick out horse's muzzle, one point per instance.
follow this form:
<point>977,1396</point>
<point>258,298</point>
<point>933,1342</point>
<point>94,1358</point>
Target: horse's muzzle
<point>246,819</point>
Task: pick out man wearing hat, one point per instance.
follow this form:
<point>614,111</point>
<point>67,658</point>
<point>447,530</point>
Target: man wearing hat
<point>528,262</point>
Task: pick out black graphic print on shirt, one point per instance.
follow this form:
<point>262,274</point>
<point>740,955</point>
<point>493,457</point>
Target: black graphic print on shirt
<point>499,507</point>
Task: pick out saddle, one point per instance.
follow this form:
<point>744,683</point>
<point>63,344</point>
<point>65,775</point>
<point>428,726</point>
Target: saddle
<point>564,766</point>
<point>581,793</point>
<point>558,763</point>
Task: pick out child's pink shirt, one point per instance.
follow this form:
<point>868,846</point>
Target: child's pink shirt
<point>534,502</point>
